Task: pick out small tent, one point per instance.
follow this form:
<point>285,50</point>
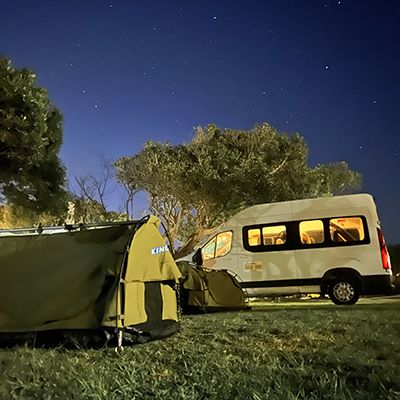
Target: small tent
<point>118,278</point>
<point>205,290</point>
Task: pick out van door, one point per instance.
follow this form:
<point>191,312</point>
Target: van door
<point>311,258</point>
<point>267,264</point>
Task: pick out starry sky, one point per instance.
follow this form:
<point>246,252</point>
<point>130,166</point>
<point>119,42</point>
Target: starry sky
<point>126,71</point>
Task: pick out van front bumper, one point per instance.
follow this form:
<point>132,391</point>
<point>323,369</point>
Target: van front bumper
<point>377,284</point>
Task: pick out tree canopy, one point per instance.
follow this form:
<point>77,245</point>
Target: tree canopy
<point>31,174</point>
<point>194,187</point>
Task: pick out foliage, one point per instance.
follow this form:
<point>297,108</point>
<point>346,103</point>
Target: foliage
<point>11,218</point>
<point>394,251</point>
<point>280,351</point>
<point>88,211</point>
<point>31,174</point>
<point>195,186</point>
<point>18,217</point>
<point>91,193</point>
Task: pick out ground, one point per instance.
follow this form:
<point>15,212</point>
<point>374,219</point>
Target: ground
<point>296,350</point>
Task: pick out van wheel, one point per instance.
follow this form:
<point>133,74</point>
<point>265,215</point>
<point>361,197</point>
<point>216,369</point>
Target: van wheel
<point>344,291</point>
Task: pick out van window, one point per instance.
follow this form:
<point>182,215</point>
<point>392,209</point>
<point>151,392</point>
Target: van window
<point>224,244</point>
<point>218,246</point>
<point>262,238</point>
<point>273,235</point>
<point>346,229</point>
<point>209,249</point>
<point>311,232</point>
<point>254,237</point>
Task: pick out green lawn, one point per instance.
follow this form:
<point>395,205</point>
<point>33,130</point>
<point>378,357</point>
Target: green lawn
<point>311,350</point>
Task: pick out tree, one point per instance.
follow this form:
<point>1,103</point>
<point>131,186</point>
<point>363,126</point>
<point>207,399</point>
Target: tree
<point>394,251</point>
<point>157,170</point>
<point>196,186</point>
<point>91,193</point>
<point>31,174</point>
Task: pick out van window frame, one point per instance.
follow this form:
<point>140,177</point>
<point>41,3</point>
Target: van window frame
<point>265,247</point>
<point>312,220</point>
<point>293,240</point>
<point>365,227</point>
<point>215,247</point>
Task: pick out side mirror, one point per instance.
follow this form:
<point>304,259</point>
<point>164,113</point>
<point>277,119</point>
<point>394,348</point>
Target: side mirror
<point>198,258</point>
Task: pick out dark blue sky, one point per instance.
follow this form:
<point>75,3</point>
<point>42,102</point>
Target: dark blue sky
<point>125,71</point>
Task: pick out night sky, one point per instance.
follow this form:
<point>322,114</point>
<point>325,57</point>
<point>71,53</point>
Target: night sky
<point>126,71</point>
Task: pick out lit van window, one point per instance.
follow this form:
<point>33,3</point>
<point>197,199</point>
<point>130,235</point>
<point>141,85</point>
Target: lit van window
<point>312,232</point>
<point>346,229</point>
<point>273,235</point>
<point>218,246</point>
<point>254,237</point>
<point>209,249</point>
<point>224,244</point>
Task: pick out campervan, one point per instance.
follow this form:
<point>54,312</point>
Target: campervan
<point>330,245</point>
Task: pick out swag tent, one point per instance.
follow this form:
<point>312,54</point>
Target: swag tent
<point>119,278</point>
<point>205,290</point>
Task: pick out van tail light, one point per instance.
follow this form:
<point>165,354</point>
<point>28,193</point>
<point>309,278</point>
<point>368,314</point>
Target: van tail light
<point>384,251</point>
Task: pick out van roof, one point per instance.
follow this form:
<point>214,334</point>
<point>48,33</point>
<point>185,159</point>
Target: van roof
<point>320,203</point>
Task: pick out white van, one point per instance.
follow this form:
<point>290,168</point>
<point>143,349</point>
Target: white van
<point>328,245</point>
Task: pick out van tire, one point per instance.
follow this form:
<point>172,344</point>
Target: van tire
<point>344,291</point>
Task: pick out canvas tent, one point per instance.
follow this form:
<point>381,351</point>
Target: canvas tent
<point>114,277</point>
<point>209,290</point>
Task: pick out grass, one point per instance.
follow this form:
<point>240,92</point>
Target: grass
<point>285,351</point>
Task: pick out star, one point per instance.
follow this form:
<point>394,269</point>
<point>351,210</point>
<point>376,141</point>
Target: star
<point>374,101</point>
<point>84,91</point>
<point>326,66</point>
<point>214,17</point>
<point>96,106</point>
